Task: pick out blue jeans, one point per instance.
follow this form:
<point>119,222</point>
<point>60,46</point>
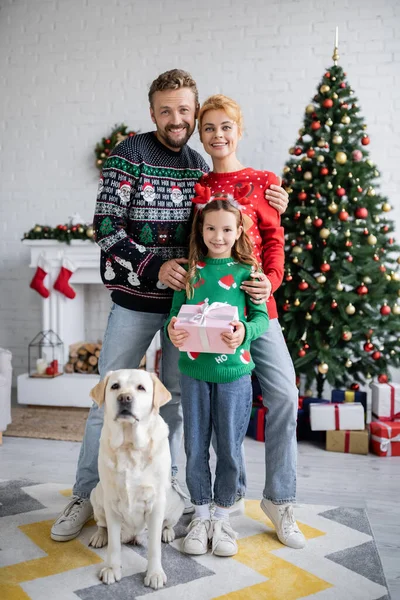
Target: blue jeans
<point>275,372</point>
<point>127,337</point>
<point>224,408</point>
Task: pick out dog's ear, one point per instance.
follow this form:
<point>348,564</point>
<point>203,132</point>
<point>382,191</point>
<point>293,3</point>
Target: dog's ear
<point>160,393</point>
<point>98,393</point>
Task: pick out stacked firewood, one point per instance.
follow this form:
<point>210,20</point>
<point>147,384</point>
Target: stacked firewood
<point>83,358</point>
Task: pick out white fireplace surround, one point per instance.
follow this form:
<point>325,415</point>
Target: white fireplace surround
<point>66,318</point>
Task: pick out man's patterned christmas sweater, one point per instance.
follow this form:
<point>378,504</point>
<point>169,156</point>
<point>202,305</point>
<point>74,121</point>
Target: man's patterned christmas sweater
<point>219,280</point>
<point>142,218</point>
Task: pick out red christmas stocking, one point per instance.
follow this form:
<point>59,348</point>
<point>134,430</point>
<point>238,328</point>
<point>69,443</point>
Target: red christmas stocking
<point>39,277</point>
<point>61,284</point>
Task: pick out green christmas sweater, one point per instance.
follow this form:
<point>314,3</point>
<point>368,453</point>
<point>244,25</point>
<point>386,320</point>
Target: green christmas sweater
<point>219,280</point>
<point>141,220</point>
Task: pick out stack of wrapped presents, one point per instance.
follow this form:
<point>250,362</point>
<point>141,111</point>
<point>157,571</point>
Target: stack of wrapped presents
<point>385,424</point>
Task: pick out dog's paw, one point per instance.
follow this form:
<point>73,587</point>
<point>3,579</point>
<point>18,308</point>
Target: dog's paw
<point>99,539</point>
<point>133,540</point>
<point>110,575</point>
<point>168,535</point>
<point>155,579</point>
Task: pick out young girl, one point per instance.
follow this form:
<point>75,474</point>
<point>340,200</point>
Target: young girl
<point>216,388</point>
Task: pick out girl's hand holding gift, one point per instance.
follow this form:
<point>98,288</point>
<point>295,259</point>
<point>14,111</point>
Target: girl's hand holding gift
<point>235,339</point>
<point>177,337</point>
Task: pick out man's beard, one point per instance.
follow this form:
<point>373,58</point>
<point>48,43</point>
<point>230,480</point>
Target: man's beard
<point>171,141</point>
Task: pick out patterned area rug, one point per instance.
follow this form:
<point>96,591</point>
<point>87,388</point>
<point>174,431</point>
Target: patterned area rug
<point>340,561</point>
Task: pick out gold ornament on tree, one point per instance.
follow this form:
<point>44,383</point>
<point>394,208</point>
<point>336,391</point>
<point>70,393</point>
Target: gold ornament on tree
<point>323,368</point>
<point>350,309</point>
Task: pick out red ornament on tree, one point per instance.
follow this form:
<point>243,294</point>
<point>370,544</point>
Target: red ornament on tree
<point>376,355</point>
<point>349,258</point>
<point>303,285</point>
<point>325,267</point>
<point>355,387</point>
<point>361,212</point>
<point>288,277</point>
<point>343,85</point>
<point>298,151</point>
<point>343,215</point>
<point>327,103</point>
<point>308,246</point>
<point>365,140</point>
<point>362,290</point>
<point>340,192</point>
<point>334,304</point>
<point>313,305</point>
<point>301,353</point>
<point>383,378</point>
<point>386,310</point>
<point>368,347</point>
<point>302,196</point>
<point>310,152</point>
<point>324,171</point>
<point>315,125</point>
<point>318,222</point>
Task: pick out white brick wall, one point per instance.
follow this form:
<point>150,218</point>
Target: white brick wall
<point>71,69</point>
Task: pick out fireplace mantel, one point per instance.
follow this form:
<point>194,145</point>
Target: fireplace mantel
<point>67,318</point>
<point>64,316</point>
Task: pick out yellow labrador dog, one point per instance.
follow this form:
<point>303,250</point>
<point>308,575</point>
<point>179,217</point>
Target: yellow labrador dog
<point>135,490</point>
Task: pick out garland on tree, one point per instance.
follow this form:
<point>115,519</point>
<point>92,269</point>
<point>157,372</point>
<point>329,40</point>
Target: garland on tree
<point>340,301</point>
<point>61,233</point>
<point>104,148</point>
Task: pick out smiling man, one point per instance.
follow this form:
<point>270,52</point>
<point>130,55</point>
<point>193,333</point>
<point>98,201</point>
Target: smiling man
<point>144,244</point>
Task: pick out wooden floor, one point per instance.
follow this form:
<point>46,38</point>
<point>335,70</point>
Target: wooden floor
<point>324,477</point>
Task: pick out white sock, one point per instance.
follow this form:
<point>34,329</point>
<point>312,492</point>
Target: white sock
<point>202,511</point>
<point>221,513</point>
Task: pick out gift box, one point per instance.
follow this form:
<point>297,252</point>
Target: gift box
<point>204,324</point>
<point>386,401</point>
<point>303,429</point>
<point>256,428</point>
<point>339,396</point>
<point>327,417</point>
<point>354,442</point>
<point>385,438</point>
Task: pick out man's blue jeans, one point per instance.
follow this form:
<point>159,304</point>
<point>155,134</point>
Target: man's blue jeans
<point>127,337</point>
<point>225,409</point>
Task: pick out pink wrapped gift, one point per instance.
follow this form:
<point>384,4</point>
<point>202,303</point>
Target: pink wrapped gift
<point>204,324</point>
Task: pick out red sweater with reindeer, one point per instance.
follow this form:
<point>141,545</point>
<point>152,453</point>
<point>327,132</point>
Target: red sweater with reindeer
<point>266,233</point>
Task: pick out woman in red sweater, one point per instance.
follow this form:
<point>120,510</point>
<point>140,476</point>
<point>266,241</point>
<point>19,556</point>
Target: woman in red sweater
<point>220,126</point>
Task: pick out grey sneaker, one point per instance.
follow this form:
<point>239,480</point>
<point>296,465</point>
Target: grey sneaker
<point>198,537</point>
<point>284,522</point>
<point>71,521</point>
<point>224,539</point>
<point>189,508</point>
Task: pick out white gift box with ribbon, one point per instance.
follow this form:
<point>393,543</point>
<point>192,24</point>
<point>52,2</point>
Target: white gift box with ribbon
<point>329,417</point>
<point>385,401</point>
<point>205,323</point>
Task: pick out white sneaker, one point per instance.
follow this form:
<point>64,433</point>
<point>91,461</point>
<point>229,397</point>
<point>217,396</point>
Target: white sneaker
<point>238,508</point>
<point>224,539</point>
<point>71,521</point>
<point>284,522</point>
<point>189,508</point>
<point>198,537</point>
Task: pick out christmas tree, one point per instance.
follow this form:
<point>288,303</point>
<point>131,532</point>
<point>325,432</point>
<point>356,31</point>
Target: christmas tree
<point>339,300</point>
<point>146,235</point>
